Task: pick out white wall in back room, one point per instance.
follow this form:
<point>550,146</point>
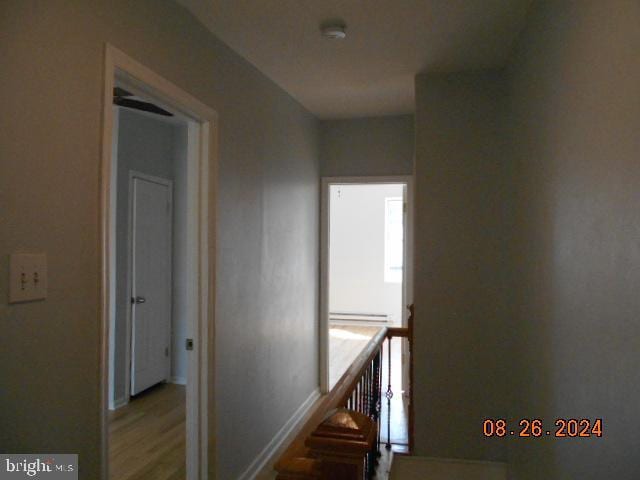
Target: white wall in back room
<point>357,281</point>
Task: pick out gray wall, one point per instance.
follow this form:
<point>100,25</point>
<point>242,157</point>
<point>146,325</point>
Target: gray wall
<point>575,90</point>
<point>527,232</point>
<point>51,54</point>
<point>367,146</point>
<point>461,219</point>
<point>145,145</point>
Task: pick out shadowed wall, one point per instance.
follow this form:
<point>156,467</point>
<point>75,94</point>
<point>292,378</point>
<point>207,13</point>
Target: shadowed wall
<point>52,57</point>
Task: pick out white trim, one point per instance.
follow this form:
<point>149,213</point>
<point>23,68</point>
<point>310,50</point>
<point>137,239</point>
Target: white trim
<point>118,403</point>
<point>407,288</point>
<point>269,452</point>
<point>200,400</point>
<point>382,179</point>
<point>324,287</point>
<point>387,246</point>
<point>152,178</point>
<point>461,461</point>
<point>113,402</point>
<point>178,380</point>
<point>447,467</point>
<point>358,323</point>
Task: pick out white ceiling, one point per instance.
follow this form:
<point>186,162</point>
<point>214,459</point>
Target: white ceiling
<point>371,72</point>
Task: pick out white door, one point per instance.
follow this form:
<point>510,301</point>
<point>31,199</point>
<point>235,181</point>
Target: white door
<point>150,281</point>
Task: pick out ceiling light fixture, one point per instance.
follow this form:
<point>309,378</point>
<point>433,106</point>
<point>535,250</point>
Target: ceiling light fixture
<point>334,31</point>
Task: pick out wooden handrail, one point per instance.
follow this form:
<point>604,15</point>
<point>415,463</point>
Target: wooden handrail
<point>299,461</point>
<point>337,397</point>
<point>398,332</point>
<point>349,380</point>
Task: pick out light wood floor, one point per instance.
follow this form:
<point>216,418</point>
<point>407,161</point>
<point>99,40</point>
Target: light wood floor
<point>147,436</point>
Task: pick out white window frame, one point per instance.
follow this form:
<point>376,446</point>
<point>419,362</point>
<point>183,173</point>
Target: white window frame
<point>391,276</point>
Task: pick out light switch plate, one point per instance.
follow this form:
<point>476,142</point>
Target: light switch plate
<point>27,277</point>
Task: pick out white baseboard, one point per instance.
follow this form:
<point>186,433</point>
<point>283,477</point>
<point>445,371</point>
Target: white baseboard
<point>276,442</point>
<point>360,323</point>
<point>178,380</point>
<point>117,403</point>
<point>433,468</point>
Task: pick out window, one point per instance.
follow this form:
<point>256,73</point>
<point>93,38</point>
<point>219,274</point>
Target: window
<point>393,239</point>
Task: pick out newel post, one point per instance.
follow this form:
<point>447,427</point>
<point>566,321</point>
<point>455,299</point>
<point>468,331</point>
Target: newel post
<point>341,443</point>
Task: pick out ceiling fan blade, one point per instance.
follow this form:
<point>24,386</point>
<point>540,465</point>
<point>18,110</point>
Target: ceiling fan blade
<point>138,105</point>
<point>121,92</point>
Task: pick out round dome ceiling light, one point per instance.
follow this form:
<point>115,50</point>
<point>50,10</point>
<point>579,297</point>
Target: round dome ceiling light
<point>333,32</point>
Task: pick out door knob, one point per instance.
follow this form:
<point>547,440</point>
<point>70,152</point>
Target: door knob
<point>137,300</point>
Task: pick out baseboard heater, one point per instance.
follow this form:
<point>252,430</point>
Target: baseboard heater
<point>360,317</point>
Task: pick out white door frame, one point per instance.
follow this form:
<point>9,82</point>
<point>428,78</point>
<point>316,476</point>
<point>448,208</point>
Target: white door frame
<point>407,284</point>
<point>200,423</point>
<point>130,270</point>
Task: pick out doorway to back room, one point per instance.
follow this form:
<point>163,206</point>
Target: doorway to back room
<point>366,254</point>
<point>365,271</point>
<point>365,281</point>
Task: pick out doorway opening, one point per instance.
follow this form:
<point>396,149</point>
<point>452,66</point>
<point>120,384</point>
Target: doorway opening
<point>366,279</point>
<point>157,309</point>
<point>154,291</point>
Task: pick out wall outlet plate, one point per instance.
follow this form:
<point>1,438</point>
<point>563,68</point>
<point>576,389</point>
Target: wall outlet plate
<point>27,277</point>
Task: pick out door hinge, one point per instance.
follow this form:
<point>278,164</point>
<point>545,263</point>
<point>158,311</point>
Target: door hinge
<point>166,351</point>
<point>189,344</point>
